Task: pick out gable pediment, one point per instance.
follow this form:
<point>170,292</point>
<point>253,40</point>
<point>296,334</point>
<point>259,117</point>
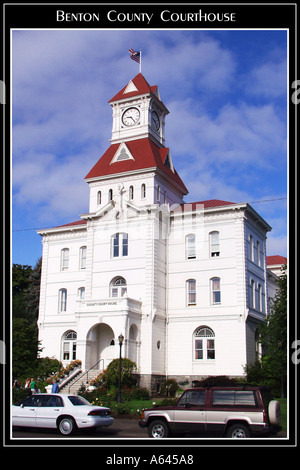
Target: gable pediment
<point>123,153</point>
<point>130,88</point>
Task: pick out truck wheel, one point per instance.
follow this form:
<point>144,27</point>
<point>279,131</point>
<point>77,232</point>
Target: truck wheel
<point>158,429</point>
<point>274,413</point>
<point>238,431</point>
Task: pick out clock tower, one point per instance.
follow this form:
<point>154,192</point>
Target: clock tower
<point>138,113</point>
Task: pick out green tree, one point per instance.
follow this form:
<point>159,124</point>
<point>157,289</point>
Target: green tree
<point>25,302</point>
<point>32,292</point>
<point>273,335</point>
<point>25,347</point>
<point>128,368</point>
<point>20,282</point>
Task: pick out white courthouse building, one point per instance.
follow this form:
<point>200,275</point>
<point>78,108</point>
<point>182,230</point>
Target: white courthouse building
<point>185,283</point>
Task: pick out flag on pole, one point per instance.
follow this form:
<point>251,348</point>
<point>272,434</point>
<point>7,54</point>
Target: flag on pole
<point>134,55</point>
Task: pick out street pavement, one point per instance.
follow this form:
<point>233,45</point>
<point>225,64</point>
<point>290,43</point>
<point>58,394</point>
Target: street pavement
<point>122,428</point>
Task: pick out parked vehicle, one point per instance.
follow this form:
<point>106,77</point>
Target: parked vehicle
<point>236,412</point>
<point>64,412</point>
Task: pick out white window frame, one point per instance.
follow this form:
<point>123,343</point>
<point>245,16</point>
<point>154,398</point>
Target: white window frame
<point>62,300</point>
<point>119,245</point>
<point>214,244</point>
<point>99,198</point>
<point>190,246</point>
<point>69,346</point>
<point>64,259</point>
<point>204,344</point>
<point>131,193</point>
<point>251,253</point>
<point>259,297</point>
<point>252,294</point>
<point>214,290</point>
<point>258,253</point>
<point>81,293</point>
<point>191,291</point>
<point>118,287</point>
<point>143,191</point>
<point>82,257</point>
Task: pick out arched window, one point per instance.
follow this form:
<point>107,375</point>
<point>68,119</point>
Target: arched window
<point>214,244</point>
<point>259,297</point>
<point>204,343</point>
<point>143,191</point>
<point>82,257</point>
<point>215,288</point>
<point>119,245</point>
<point>99,198</point>
<point>190,246</point>
<point>64,259</point>
<point>69,346</point>
<point>131,193</point>
<point>191,292</point>
<point>118,287</point>
<point>110,195</point>
<point>62,300</point>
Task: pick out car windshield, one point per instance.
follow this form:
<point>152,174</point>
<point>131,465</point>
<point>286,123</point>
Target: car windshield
<point>78,401</point>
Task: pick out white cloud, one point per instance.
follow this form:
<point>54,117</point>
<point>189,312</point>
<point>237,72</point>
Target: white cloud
<point>269,79</point>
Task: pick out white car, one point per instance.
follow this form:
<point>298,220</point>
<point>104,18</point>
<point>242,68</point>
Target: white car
<point>64,412</point>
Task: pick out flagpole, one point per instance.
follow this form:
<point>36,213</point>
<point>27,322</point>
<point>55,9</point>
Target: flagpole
<point>140,60</point>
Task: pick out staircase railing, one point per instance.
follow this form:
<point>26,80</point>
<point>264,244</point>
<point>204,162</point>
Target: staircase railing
<point>86,373</point>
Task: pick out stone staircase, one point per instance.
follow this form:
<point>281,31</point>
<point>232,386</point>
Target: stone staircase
<point>80,379</point>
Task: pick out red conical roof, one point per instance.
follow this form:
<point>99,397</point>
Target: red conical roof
<point>142,87</point>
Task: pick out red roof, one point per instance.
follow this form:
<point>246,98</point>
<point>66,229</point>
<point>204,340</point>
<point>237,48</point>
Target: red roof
<point>146,155</point>
<point>142,86</point>
<point>276,259</point>
<point>78,222</point>
<point>206,204</point>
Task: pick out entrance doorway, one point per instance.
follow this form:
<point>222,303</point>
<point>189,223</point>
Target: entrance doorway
<point>100,347</point>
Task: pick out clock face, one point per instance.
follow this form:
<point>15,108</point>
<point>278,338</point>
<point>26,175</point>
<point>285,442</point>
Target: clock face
<point>130,116</point>
<point>155,121</point>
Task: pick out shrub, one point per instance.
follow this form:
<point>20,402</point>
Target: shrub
<point>128,367</point>
<point>169,388</point>
<point>217,381</point>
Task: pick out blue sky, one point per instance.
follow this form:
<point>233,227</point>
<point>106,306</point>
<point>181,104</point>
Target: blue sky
<point>226,93</point>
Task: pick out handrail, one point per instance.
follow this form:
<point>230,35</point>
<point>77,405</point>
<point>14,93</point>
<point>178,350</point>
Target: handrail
<point>86,373</point>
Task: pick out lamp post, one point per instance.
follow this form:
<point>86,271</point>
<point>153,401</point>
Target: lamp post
<point>121,339</point>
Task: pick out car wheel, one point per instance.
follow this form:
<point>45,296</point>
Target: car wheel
<point>238,431</point>
<point>158,429</point>
<point>66,425</point>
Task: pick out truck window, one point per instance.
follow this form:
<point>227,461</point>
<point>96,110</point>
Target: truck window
<point>233,398</point>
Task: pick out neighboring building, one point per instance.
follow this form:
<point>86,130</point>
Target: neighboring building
<point>275,269</point>
<point>186,284</point>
